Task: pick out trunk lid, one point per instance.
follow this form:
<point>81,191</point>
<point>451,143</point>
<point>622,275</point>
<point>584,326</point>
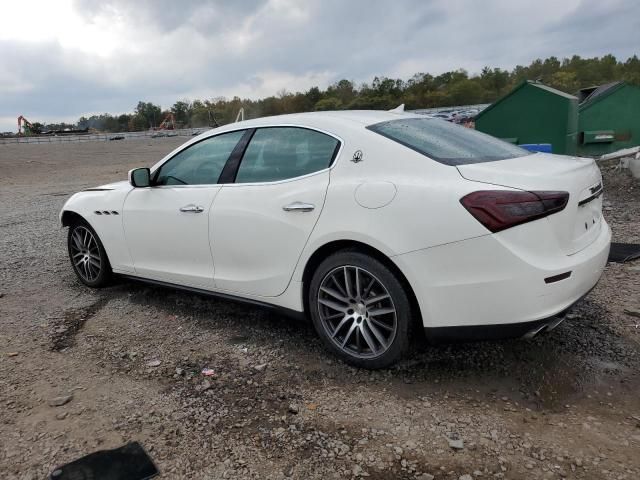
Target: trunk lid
<point>579,224</point>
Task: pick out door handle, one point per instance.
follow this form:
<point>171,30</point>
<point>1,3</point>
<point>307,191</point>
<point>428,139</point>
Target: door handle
<point>192,209</point>
<point>299,207</point>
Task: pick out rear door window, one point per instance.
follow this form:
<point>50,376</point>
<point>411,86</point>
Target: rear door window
<point>280,153</point>
<point>446,142</point>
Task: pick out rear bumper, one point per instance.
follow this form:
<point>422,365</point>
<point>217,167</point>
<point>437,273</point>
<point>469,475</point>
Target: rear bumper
<point>499,290</point>
<point>502,331</point>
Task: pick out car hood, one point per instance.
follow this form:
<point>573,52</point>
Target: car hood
<point>123,185</point>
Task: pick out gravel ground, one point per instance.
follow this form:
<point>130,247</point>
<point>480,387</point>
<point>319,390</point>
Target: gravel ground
<point>125,363</point>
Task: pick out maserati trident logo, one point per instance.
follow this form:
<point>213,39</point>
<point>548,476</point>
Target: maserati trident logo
<point>357,156</point>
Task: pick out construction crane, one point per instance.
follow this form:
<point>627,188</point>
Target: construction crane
<point>25,127</point>
<point>168,123</point>
<point>240,116</point>
<point>212,120</point>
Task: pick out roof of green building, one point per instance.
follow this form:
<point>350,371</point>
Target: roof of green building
<point>600,92</point>
<point>521,86</point>
<point>553,90</point>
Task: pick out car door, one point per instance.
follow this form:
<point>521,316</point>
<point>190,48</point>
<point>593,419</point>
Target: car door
<point>167,225</point>
<point>262,221</point>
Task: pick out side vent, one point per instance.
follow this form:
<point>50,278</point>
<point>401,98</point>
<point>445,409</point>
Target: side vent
<point>98,212</point>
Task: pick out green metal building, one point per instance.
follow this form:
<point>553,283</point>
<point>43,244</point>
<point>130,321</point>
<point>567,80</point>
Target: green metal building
<point>608,118</point>
<point>533,113</point>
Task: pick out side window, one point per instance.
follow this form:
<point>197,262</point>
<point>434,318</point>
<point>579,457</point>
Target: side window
<point>201,163</point>
<point>279,153</point>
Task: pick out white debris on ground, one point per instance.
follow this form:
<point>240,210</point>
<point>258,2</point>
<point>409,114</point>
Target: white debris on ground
<point>628,157</point>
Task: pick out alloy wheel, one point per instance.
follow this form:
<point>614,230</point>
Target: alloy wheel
<point>85,253</point>
<point>357,312</point>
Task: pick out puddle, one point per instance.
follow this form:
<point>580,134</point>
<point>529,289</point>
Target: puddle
<point>607,366</point>
<point>557,385</point>
<point>239,339</point>
<point>57,194</point>
<point>65,331</point>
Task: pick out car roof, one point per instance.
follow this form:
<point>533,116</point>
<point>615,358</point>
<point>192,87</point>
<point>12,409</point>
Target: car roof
<point>321,119</point>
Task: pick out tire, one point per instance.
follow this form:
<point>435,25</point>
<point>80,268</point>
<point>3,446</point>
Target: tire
<point>369,328</point>
<point>87,255</point>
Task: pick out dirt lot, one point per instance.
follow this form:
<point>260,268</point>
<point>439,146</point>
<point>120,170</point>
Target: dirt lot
<point>563,405</point>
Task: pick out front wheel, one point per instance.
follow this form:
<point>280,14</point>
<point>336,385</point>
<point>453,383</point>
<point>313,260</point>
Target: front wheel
<point>360,310</point>
<point>88,257</point>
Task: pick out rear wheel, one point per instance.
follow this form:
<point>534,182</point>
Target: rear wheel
<point>88,257</point>
<point>360,309</point>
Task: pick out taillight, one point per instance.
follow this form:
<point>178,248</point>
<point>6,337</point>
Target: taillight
<point>501,209</point>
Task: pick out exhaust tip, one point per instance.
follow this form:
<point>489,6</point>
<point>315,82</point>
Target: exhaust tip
<point>536,331</point>
<point>555,323</point>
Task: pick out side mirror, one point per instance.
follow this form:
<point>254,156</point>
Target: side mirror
<point>140,177</point>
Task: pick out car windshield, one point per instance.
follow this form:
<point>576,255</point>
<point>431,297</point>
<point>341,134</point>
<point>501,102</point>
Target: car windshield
<point>446,142</point>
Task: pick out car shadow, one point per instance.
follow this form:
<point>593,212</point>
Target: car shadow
<point>544,372</point>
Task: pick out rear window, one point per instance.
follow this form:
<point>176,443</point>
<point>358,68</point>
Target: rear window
<point>446,142</point>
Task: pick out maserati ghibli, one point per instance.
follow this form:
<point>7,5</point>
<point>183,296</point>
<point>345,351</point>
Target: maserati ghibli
<point>379,227</point>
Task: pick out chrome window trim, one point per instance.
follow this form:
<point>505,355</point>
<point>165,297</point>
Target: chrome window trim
<point>257,127</point>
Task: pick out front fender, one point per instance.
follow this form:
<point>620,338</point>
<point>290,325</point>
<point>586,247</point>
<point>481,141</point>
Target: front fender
<point>102,209</point>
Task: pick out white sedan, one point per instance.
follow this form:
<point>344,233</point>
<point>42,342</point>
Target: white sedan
<point>373,224</point>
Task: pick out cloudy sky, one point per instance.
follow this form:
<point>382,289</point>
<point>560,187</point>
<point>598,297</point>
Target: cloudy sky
<point>63,59</point>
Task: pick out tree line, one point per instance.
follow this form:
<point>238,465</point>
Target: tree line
<point>422,90</point>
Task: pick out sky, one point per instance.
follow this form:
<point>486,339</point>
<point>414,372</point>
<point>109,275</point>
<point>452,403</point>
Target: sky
<point>63,59</point>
